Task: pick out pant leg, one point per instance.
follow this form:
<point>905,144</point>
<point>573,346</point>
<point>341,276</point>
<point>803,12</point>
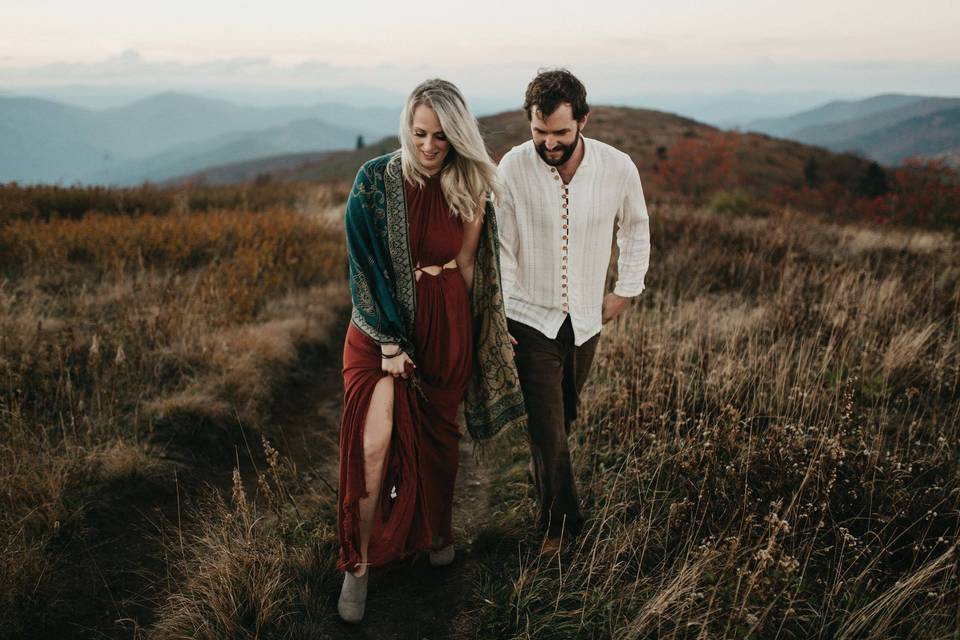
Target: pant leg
<point>576,369</point>
<point>540,364</point>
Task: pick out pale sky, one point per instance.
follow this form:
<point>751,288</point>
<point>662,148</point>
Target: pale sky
<point>873,46</point>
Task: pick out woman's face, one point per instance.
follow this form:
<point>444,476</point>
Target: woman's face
<point>432,145</point>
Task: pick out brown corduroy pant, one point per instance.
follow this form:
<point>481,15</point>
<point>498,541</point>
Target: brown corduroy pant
<point>552,373</point>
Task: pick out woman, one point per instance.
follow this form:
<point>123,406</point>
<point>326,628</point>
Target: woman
<point>427,330</point>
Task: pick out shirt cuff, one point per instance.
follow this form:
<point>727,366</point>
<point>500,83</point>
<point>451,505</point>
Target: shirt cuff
<point>628,292</point>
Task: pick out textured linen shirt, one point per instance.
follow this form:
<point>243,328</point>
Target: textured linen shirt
<point>556,239</point>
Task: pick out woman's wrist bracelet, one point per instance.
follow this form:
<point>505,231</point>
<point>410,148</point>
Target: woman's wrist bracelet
<point>393,355</point>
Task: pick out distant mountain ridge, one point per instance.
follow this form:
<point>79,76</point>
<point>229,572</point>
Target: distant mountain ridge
<point>936,135</point>
<point>832,112</point>
<point>299,136</point>
<point>248,170</point>
<point>887,128</point>
<point>761,163</point>
<point>45,141</point>
<point>826,134</point>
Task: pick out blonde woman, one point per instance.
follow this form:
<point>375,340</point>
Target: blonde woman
<point>427,331</point>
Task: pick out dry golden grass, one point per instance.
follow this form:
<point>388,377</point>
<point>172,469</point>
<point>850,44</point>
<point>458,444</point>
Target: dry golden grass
<point>118,335</point>
<point>253,568</point>
<point>769,446</point>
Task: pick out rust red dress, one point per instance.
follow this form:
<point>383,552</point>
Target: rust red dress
<point>416,497</point>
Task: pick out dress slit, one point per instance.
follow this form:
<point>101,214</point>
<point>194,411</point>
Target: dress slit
<point>416,497</point>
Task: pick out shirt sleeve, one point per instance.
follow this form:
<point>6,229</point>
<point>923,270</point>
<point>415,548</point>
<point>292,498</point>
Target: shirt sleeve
<point>633,237</point>
<point>507,232</point>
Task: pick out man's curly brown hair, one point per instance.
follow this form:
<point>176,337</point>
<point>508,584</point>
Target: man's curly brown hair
<point>550,89</point>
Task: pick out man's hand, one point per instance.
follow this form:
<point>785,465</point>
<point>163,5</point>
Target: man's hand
<point>612,306</point>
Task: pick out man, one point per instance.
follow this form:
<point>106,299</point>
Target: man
<point>562,193</point>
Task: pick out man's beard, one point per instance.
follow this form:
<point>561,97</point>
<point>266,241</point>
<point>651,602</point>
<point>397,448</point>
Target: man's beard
<point>567,151</point>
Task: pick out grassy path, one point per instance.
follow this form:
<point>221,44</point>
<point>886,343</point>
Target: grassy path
<point>130,526</point>
<point>411,599</point>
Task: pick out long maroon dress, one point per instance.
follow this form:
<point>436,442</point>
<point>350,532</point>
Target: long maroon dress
<point>416,497</point>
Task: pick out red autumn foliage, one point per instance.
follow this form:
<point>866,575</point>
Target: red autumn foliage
<point>925,192</point>
<point>920,192</point>
<point>697,166</point>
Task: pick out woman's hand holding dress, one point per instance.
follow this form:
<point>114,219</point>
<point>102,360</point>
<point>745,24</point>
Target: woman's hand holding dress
<point>397,365</point>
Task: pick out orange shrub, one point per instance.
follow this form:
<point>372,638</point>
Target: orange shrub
<point>249,256</point>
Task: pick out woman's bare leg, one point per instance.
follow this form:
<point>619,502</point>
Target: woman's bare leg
<point>377,430</point>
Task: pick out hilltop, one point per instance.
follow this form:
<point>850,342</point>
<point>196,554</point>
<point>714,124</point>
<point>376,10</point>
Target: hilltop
<point>665,147</point>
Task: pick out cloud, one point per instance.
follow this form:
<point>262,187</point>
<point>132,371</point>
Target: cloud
<point>131,68</point>
<point>633,74</point>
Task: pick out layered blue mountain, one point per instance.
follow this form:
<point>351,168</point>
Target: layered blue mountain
<point>887,128</point>
<point>166,135</point>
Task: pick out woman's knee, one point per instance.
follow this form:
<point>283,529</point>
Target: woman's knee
<point>379,425</point>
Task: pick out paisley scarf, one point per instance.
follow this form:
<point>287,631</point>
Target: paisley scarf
<point>383,288</point>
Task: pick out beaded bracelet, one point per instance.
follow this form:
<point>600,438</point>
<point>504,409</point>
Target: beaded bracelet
<point>386,357</point>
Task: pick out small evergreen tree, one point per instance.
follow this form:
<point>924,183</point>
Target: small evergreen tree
<point>874,182</point>
<point>811,172</point>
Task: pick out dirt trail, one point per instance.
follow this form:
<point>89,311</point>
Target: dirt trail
<point>412,599</point>
<point>123,546</point>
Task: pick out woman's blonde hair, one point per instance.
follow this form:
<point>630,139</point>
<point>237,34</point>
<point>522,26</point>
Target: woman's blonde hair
<point>468,174</point>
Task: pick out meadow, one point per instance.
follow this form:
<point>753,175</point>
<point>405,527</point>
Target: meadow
<point>769,445</point>
<point>141,331</point>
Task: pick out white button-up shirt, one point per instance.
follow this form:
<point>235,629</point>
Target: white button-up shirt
<point>556,239</point>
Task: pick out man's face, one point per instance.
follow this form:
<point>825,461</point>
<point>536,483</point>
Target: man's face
<point>555,136</point>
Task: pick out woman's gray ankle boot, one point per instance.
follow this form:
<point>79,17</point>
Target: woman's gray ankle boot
<point>353,597</point>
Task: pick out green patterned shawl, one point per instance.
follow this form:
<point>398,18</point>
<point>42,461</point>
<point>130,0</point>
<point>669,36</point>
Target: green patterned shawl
<point>383,287</point>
